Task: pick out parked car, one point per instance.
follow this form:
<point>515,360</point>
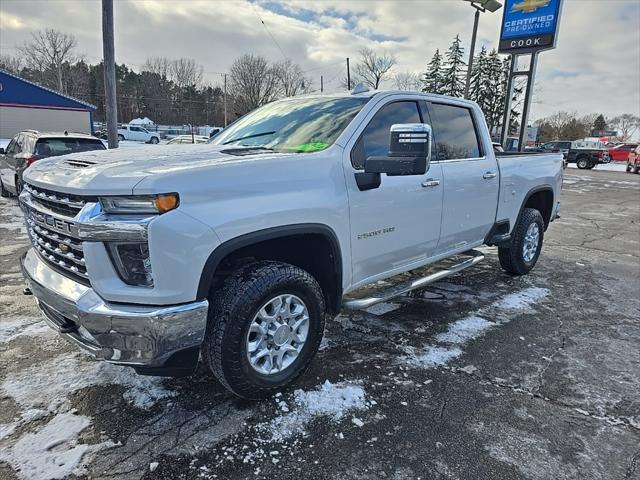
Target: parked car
<point>188,139</point>
<point>136,133</point>
<point>239,253</point>
<point>30,146</point>
<point>561,146</point>
<point>620,153</point>
<point>633,161</point>
<point>587,157</point>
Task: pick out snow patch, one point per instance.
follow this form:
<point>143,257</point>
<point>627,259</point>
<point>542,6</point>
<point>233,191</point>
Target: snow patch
<point>522,300</point>
<point>17,327</point>
<point>432,356</point>
<point>51,452</point>
<point>464,330</point>
<point>68,373</point>
<point>331,400</point>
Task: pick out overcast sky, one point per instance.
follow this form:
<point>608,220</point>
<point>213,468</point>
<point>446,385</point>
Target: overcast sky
<point>596,67</point>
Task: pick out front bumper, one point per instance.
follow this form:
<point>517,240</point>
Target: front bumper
<point>145,337</point>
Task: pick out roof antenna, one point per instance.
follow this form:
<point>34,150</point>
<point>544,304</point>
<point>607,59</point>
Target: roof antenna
<point>359,88</point>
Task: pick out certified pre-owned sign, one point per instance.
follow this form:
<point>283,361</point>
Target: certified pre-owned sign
<point>529,25</point>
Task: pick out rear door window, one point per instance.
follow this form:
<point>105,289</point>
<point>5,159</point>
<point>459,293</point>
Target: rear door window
<point>454,132</point>
<point>51,147</point>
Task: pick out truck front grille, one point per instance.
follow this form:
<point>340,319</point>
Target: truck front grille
<point>54,238</point>
<point>61,203</point>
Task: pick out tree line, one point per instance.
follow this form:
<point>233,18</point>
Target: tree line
<point>173,91</point>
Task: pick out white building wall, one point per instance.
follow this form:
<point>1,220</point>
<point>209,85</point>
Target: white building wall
<point>15,119</point>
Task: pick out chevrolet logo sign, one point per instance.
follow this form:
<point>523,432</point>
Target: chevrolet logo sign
<point>529,6</point>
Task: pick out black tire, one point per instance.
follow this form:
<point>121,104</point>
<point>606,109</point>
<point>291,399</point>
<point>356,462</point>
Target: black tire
<point>154,140</point>
<point>582,163</point>
<point>3,191</point>
<point>232,309</point>
<point>512,258</point>
<point>591,166</point>
<point>120,138</point>
<point>629,168</point>
<point>18,186</point>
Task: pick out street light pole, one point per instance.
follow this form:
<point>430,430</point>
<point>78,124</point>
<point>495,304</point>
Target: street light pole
<point>480,6</point>
<point>472,51</point>
<point>109,66</point>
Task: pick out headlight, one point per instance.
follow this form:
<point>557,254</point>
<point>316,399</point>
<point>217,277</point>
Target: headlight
<point>132,262</point>
<point>141,204</point>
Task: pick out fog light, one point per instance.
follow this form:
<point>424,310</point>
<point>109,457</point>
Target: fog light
<point>132,262</point>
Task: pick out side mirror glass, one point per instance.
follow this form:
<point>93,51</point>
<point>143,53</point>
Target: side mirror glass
<point>409,151</point>
<point>1,151</point>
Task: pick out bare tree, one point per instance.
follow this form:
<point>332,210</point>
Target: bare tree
<point>11,63</point>
<point>291,78</point>
<point>185,72</point>
<point>253,82</point>
<point>157,65</point>
<point>558,122</point>
<point>49,49</point>
<point>626,125</point>
<point>408,81</point>
<point>373,68</point>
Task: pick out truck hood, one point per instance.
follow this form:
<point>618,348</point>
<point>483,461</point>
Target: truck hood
<point>118,171</point>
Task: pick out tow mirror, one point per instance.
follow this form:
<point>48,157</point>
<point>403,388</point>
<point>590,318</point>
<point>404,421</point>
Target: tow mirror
<point>409,151</point>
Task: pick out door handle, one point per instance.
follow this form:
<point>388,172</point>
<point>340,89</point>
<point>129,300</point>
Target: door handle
<point>489,175</point>
<point>430,182</point>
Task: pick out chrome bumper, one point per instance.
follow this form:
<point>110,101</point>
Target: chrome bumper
<point>126,334</point>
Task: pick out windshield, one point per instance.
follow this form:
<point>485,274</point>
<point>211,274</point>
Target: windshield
<point>293,125</point>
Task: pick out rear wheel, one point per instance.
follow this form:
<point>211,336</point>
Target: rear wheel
<point>526,244</point>
<point>583,163</point>
<point>265,325</point>
<point>629,168</point>
<point>120,138</point>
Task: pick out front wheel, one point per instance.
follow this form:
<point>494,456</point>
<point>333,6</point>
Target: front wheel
<point>526,244</point>
<point>154,140</point>
<point>583,163</point>
<point>265,325</point>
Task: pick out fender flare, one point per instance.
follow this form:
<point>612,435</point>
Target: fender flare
<point>530,193</point>
<point>246,240</point>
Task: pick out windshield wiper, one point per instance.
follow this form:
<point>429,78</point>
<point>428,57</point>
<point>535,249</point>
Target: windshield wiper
<point>248,136</point>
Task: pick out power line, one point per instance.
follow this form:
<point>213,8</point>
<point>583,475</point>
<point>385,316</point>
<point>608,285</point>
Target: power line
<point>268,31</point>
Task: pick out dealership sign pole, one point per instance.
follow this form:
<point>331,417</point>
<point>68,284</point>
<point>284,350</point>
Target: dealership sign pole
<point>528,27</point>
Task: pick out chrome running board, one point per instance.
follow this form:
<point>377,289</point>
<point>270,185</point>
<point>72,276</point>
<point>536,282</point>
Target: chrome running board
<point>402,288</point>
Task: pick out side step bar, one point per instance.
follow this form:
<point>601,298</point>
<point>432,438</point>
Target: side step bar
<point>397,290</point>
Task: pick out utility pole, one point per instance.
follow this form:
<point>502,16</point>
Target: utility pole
<point>225,100</point>
<point>471,52</point>
<point>109,64</point>
<point>321,84</point>
<point>348,76</point>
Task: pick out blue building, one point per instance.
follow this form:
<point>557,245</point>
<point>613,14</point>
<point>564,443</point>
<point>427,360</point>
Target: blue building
<point>25,105</point>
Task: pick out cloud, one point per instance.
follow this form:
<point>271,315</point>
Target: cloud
<point>596,67</point>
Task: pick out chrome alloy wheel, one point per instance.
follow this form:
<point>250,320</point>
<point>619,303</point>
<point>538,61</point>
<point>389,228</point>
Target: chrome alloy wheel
<point>531,240</point>
<point>277,334</point>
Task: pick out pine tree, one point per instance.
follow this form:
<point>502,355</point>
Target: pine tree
<point>479,90</point>
<point>600,123</point>
<point>454,71</point>
<point>432,78</point>
<point>496,87</point>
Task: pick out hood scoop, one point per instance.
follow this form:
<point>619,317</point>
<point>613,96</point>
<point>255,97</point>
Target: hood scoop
<point>79,163</point>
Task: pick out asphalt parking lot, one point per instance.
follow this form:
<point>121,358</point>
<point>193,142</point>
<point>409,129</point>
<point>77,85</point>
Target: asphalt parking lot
<point>482,376</point>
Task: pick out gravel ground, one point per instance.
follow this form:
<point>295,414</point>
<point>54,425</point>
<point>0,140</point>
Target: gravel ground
<point>483,376</point>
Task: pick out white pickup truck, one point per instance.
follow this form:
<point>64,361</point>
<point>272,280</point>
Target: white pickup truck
<point>235,251</point>
<point>137,133</point>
